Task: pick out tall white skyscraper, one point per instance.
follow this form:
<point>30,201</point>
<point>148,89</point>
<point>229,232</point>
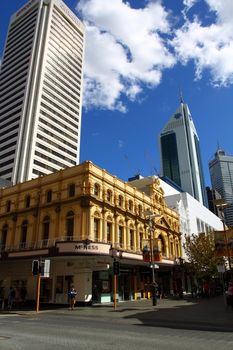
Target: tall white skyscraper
<point>221,174</point>
<point>41,91</point>
<point>180,154</point>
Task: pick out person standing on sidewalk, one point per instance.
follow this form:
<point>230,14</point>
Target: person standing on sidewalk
<point>230,294</point>
<point>72,297</point>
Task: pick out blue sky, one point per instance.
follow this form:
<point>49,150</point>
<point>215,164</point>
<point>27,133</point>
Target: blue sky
<point>139,55</point>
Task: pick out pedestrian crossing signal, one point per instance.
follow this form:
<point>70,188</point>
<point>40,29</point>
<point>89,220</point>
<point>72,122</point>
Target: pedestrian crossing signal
<point>35,267</point>
<point>116,268</point>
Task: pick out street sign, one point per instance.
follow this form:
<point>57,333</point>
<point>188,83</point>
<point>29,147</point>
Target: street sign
<point>45,268</point>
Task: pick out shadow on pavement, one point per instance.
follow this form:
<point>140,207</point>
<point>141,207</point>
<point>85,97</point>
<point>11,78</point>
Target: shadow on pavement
<point>202,314</point>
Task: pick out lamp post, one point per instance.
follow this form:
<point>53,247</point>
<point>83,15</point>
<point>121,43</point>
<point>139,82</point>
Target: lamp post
<point>151,216</point>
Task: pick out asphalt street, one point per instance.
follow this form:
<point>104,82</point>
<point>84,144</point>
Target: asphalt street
<point>172,324</point>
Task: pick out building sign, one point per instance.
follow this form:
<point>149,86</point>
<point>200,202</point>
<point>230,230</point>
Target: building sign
<point>83,248</point>
<point>69,13</point>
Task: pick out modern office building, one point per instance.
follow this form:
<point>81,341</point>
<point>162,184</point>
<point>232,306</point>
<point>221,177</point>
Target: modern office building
<point>194,217</point>
<point>81,219</point>
<point>41,91</point>
<point>221,174</point>
<point>180,154</point>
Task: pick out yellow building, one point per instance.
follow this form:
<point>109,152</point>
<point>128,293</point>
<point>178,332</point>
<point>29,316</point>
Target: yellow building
<point>81,218</point>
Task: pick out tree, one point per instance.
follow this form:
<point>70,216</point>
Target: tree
<point>200,251</point>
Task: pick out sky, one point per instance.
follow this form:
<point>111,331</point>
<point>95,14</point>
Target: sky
<point>139,56</point>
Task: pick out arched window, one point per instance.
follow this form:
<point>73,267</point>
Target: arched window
<point>177,249</point>
<point>162,245</point>
<point>120,201</point>
<point>24,229</point>
<point>130,205</point>
<point>121,235</point>
<point>71,190</point>
<point>45,233</point>
<point>27,201</point>
<point>96,229</point>
<point>131,238</point>
<point>140,240</point>
<point>140,210</point>
<point>96,190</point>
<point>49,194</point>
<point>70,225</point>
<point>4,237</point>
<point>172,247</point>
<point>109,196</point>
<point>109,231</point>
<point>8,206</point>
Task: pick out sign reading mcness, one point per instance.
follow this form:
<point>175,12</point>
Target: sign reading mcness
<point>83,248</point>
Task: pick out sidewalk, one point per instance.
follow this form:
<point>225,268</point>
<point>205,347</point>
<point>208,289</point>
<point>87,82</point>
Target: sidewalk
<point>201,314</point>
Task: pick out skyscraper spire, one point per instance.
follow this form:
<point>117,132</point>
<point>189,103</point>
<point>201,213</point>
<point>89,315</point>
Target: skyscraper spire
<point>181,97</point>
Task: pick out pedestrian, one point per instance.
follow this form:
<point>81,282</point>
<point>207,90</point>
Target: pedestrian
<point>230,294</point>
<point>72,297</point>
<point>11,297</point>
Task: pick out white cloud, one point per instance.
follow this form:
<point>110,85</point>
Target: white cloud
<point>129,48</point>
<point>124,49</point>
<point>210,47</point>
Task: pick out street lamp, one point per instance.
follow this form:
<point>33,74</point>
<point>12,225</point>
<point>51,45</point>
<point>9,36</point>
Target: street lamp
<point>152,216</point>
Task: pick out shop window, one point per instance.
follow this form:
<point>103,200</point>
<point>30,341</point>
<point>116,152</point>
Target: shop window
<point>24,229</point>
<point>70,224</point>
<point>96,229</point>
<point>45,234</point>
<point>4,237</point>
<point>59,285</point>
<point>71,190</point>
<point>49,196</point>
<point>27,201</point>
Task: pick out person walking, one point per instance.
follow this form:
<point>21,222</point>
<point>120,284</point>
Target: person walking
<point>11,297</point>
<point>72,297</point>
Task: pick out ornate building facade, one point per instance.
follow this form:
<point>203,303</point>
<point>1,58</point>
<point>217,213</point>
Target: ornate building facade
<point>82,219</point>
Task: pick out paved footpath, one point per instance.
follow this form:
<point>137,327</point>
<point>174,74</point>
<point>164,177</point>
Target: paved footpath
<point>201,314</point>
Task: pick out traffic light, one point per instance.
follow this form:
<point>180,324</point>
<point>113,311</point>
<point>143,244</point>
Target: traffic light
<point>35,267</point>
<point>116,268</point>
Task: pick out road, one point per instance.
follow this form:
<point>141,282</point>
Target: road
<point>71,330</point>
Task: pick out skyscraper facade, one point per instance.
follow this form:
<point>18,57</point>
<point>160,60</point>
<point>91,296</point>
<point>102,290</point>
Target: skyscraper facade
<point>41,91</point>
<point>221,174</point>
<point>180,154</point>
